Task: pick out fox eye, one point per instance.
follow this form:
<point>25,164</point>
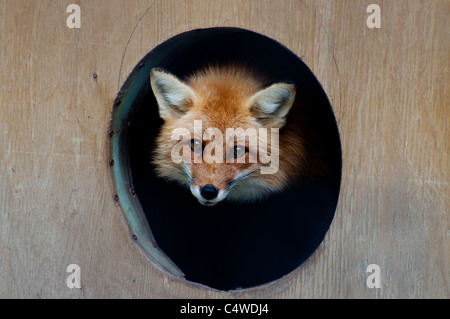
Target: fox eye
<point>196,146</point>
<point>239,151</point>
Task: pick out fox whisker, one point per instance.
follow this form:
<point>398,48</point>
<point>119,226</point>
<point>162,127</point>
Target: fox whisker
<point>238,179</point>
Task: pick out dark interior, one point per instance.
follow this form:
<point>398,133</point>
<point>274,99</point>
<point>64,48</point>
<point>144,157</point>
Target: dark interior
<point>232,246</point>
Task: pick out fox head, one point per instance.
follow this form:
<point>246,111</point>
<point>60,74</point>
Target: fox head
<point>210,121</point>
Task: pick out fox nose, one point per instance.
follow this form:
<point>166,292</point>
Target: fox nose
<point>209,192</point>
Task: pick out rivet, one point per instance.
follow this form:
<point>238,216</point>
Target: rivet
<point>154,244</point>
<point>117,102</point>
<point>111,162</point>
<point>111,133</point>
<point>132,191</point>
<point>116,198</point>
<point>134,237</point>
<point>141,65</point>
<point>94,76</point>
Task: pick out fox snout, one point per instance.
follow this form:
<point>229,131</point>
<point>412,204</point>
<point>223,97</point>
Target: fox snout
<point>208,195</point>
<point>209,192</point>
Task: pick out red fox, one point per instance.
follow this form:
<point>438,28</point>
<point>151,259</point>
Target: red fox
<point>240,108</point>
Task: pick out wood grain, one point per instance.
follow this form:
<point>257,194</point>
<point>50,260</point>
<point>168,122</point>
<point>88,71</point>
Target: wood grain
<point>389,89</point>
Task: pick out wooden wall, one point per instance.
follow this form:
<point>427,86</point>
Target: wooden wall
<point>389,88</point>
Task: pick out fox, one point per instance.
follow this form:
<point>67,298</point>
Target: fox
<point>224,97</point>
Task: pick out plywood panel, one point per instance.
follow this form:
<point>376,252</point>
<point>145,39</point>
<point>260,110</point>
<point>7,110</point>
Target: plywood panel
<point>388,88</point>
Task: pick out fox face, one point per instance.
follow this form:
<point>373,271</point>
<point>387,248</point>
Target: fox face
<point>220,133</point>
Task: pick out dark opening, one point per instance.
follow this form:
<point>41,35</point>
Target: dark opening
<point>231,246</point>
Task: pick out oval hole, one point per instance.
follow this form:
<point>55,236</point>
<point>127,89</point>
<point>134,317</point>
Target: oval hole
<point>230,245</point>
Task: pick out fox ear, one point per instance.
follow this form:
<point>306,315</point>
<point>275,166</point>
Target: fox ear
<point>271,105</point>
<point>173,96</point>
